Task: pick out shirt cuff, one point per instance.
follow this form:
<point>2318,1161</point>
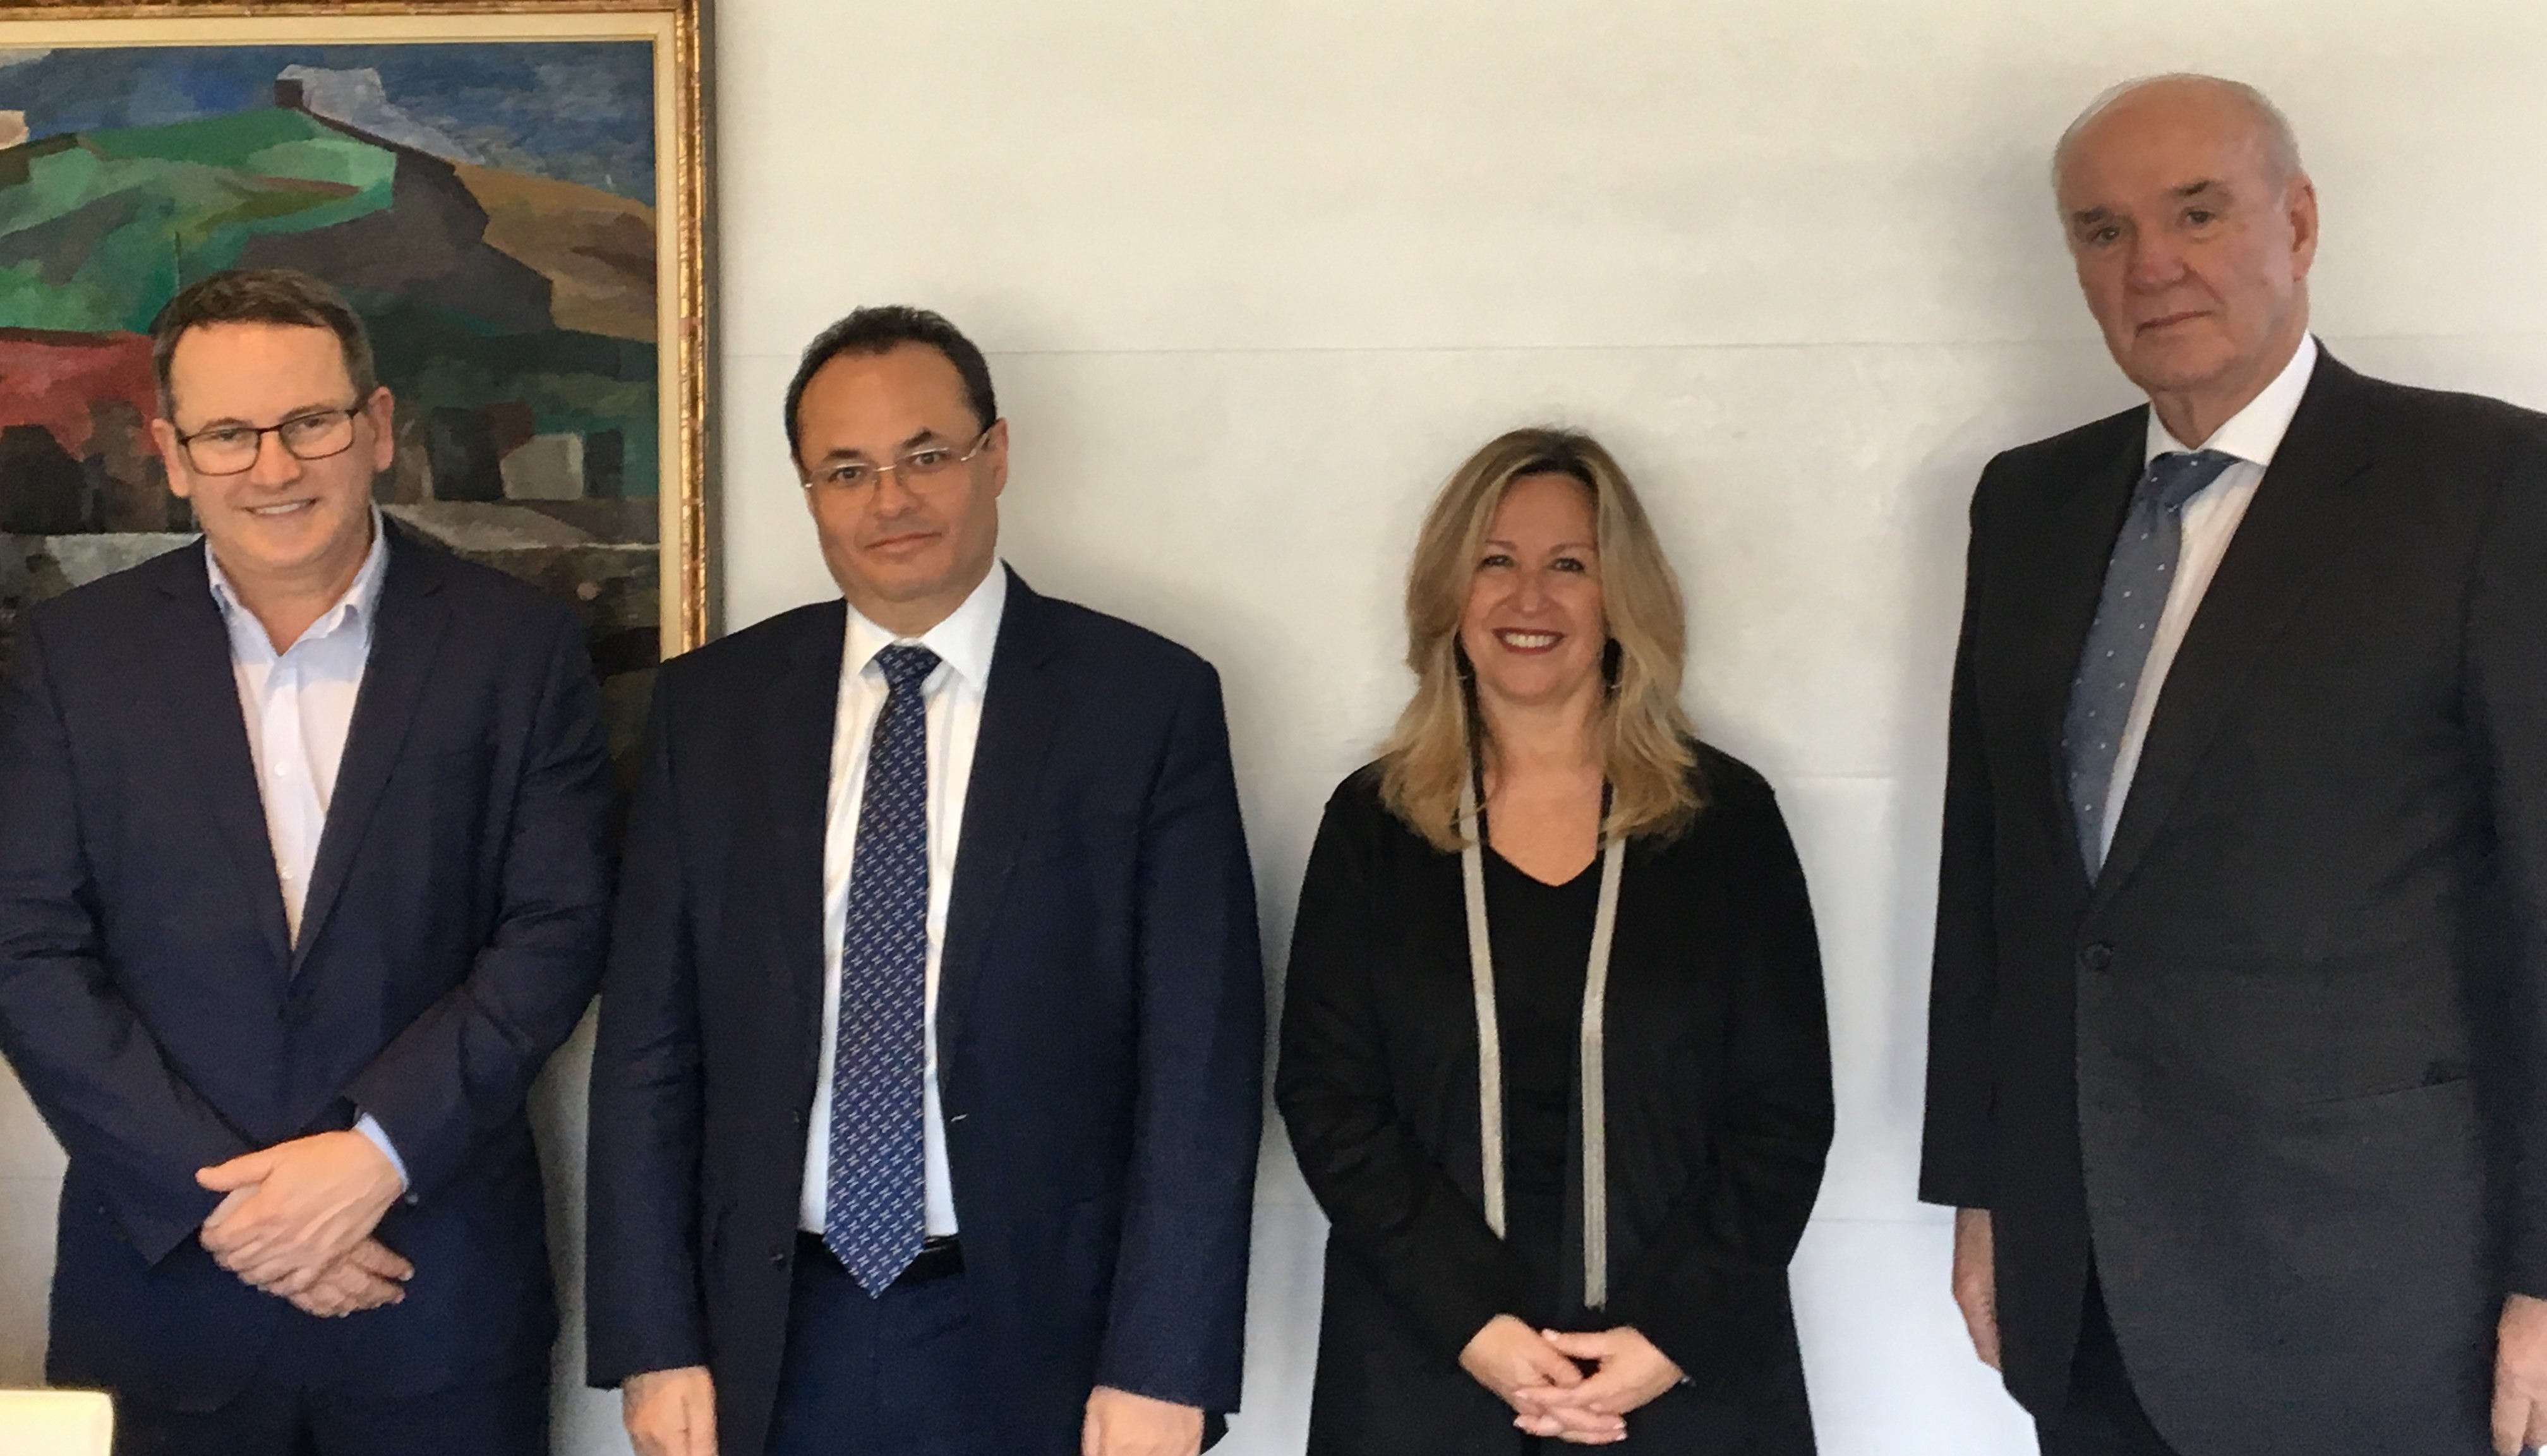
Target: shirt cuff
<point>370,1128</point>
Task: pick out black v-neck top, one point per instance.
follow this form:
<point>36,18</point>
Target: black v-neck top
<point>1541,935</point>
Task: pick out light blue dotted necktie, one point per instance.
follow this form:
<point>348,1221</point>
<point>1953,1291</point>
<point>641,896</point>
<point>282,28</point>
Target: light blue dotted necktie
<point>2137,580</point>
<point>874,1217</point>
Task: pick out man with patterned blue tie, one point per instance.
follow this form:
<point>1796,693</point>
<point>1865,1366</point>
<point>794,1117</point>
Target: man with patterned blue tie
<point>925,1105</point>
<point>2237,1030</point>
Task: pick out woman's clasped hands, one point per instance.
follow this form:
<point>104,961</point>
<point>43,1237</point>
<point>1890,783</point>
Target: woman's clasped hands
<point>1541,1375</point>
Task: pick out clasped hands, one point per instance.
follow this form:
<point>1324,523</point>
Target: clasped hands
<point>1540,1373</point>
<point>295,1220</point>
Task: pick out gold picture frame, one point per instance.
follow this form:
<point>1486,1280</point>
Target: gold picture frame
<point>543,299</point>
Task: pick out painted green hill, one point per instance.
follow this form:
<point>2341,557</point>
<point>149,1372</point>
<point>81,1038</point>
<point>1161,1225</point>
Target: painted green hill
<point>500,307</point>
<point>95,230</point>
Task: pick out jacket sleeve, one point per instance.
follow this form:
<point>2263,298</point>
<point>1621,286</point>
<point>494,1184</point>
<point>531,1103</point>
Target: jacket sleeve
<point>463,1068</point>
<point>643,1291</point>
<point>1391,1206</point>
<point>1179,1311</point>
<point>93,1069</point>
<point>1710,1290</point>
<point>1958,1154</point>
<point>2507,678</point>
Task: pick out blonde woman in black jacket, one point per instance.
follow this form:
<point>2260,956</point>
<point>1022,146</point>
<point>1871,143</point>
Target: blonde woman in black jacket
<point>1545,863</point>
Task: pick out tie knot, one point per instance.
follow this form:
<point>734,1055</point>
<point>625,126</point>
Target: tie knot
<point>2181,475</point>
<point>905,665</point>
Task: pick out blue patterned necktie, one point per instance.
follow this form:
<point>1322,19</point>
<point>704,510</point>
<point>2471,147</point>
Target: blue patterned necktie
<point>874,1217</point>
<point>2137,580</point>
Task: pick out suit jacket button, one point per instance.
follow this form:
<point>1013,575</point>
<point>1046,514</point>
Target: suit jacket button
<point>2096,957</point>
<point>779,1256</point>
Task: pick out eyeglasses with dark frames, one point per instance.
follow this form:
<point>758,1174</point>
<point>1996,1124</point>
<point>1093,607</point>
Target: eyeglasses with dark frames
<point>231,448</point>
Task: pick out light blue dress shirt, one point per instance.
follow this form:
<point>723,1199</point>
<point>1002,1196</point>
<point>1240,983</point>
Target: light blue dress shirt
<point>299,706</point>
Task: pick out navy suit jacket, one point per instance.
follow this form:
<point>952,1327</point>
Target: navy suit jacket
<point>161,1019</point>
<point>1099,1024</point>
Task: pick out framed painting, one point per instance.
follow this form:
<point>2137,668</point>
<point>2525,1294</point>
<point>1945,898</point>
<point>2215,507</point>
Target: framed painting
<point>511,193</point>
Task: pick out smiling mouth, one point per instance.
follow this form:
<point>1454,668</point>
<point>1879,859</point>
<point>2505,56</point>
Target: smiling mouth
<point>1526,641</point>
<point>287,508</point>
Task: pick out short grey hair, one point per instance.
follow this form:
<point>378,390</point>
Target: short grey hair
<point>2281,143</point>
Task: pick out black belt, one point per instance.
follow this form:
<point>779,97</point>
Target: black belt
<point>937,1258</point>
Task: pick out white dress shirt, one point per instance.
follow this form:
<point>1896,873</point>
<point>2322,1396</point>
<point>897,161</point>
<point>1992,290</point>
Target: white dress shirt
<point>2210,519</point>
<point>953,693</point>
<point>299,706</point>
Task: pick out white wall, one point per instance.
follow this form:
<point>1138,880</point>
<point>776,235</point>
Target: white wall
<point>1255,278</point>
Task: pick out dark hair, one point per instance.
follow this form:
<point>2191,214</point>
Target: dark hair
<point>284,296</point>
<point>880,330</point>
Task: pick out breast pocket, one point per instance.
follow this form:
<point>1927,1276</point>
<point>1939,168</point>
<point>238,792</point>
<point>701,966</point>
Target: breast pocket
<point>435,812</point>
<point>1085,832</point>
<point>468,761</point>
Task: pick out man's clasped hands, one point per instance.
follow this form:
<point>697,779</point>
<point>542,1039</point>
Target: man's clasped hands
<point>295,1220</point>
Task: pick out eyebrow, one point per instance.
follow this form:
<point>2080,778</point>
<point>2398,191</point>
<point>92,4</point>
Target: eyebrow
<point>852,453</point>
<point>1560,546</point>
<point>231,421</point>
<point>2181,192</point>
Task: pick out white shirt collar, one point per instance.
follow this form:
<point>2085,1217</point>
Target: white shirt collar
<point>2256,432</point>
<point>358,602</point>
<point>963,641</point>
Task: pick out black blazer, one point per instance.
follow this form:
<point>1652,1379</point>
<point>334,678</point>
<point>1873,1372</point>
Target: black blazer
<point>2262,1060</point>
<point>1719,1114</point>
<point>1099,1024</point>
<point>161,1021</point>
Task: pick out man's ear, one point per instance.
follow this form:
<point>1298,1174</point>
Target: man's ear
<point>382,410</point>
<point>163,436</point>
<point>2298,202</point>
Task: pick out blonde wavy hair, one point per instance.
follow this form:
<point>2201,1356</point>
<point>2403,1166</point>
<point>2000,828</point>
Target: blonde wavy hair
<point>1645,739</point>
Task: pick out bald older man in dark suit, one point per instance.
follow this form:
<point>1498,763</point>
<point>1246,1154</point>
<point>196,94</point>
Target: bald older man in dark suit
<point>2238,1026</point>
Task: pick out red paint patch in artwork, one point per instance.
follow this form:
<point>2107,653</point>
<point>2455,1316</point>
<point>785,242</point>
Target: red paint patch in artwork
<point>53,378</point>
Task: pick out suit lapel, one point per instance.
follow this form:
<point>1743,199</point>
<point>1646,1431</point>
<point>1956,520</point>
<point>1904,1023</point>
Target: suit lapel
<point>1024,699</point>
<point>201,688</point>
<point>2301,514</point>
<point>796,778</point>
<point>406,636</point>
<point>2073,559</point>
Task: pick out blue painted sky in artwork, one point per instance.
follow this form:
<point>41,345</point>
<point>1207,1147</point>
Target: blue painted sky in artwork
<point>580,110</point>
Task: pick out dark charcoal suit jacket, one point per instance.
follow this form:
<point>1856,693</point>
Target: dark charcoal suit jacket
<point>2283,1064</point>
<point>161,1022</point>
<point>1099,1024</point>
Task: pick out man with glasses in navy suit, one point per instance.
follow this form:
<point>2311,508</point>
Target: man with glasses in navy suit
<point>926,1106</point>
<point>303,877</point>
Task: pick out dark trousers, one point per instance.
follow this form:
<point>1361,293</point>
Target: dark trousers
<point>278,1415</point>
<point>2102,1415</point>
<point>876,1376</point>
